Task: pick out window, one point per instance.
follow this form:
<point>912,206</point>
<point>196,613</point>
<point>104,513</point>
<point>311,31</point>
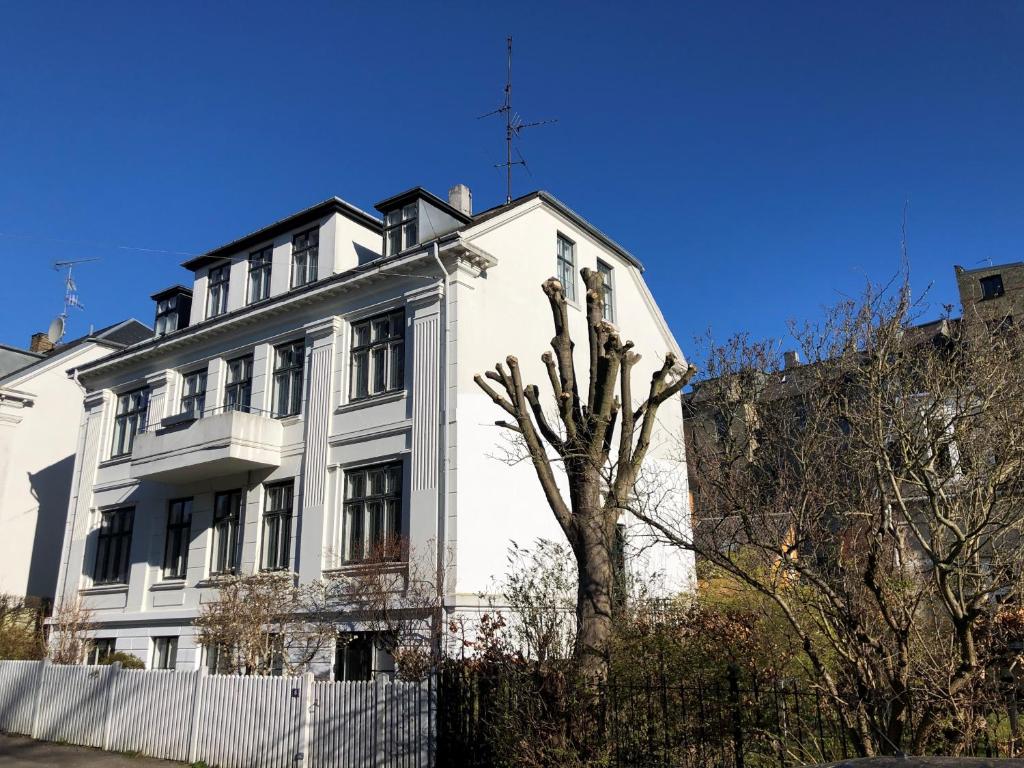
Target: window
<point>400,229</point>
<point>179,529</point>
<point>99,649</point>
<point>166,315</point>
<point>113,545</point>
<point>288,364</point>
<point>259,274</point>
<point>238,387</point>
<point>218,659</point>
<point>165,652</point>
<point>609,291</point>
<point>217,291</point>
<point>305,247</point>
<point>566,265</point>
<point>992,287</point>
<point>277,525</point>
<point>378,355</point>
<point>193,393</point>
<point>373,512</point>
<point>353,659</point>
<point>130,420</point>
<point>227,513</point>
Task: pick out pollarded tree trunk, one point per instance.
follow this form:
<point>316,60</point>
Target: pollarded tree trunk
<point>601,440</point>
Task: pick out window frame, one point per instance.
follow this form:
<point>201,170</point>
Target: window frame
<point>165,652</point>
<point>93,656</point>
<point>224,530</point>
<point>239,386</point>
<point>565,269</point>
<point>123,437</point>
<point>293,375</point>
<point>166,310</point>
<point>996,281</point>
<point>360,518</point>
<point>309,253</point>
<point>113,556</point>
<point>392,352</point>
<point>362,641</point>
<point>401,228</point>
<point>177,538</point>
<point>261,265</point>
<point>197,397</point>
<point>217,300</point>
<point>607,272</point>
<point>277,522</point>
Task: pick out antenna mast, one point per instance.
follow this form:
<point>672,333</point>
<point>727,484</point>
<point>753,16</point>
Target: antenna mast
<point>70,289</point>
<point>513,127</point>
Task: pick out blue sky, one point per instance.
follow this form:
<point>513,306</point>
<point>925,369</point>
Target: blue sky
<point>756,156</point>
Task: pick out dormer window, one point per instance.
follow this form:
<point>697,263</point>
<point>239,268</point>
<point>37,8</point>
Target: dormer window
<point>992,287</point>
<point>173,306</point>
<point>305,250</point>
<point>217,291</point>
<point>166,315</point>
<point>400,229</point>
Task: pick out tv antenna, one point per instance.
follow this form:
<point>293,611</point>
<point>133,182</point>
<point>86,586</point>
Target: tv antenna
<point>71,301</point>
<point>514,126</point>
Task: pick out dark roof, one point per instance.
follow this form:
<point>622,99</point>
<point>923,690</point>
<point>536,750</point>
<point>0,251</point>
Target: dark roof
<point>411,194</point>
<point>566,211</point>
<point>174,289</point>
<point>296,220</point>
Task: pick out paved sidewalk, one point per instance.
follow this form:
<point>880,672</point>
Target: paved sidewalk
<point>23,752</point>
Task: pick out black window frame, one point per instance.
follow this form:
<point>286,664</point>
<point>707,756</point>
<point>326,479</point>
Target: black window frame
<point>165,652</point>
<point>166,311</point>
<point>607,273</point>
<point>227,521</point>
<point>261,264</point>
<point>112,563</point>
<point>368,352</point>
<point>277,526</point>
<point>354,657</point>
<point>222,274</point>
<point>992,287</point>
<point>293,374</point>
<point>193,402</point>
<point>373,517</point>
<point>177,538</point>
<point>565,268</point>
<point>129,422</point>
<point>305,248</point>
<point>401,229</point>
<point>238,392</point>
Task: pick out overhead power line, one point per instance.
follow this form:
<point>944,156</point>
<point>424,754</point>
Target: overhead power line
<point>91,244</point>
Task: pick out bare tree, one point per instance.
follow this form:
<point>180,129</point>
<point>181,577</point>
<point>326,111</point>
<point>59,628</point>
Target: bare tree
<point>601,439</point>
<point>874,495</point>
<point>71,632</point>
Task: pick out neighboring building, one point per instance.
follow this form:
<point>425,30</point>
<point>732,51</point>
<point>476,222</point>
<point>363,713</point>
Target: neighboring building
<point>40,416</point>
<point>317,396</point>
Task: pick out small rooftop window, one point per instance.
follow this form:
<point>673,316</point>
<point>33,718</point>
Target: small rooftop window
<point>992,287</point>
<point>400,229</point>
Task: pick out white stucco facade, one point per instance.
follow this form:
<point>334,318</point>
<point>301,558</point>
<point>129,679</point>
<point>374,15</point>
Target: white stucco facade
<point>466,298</point>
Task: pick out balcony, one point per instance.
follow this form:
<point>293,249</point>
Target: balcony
<point>185,449</point>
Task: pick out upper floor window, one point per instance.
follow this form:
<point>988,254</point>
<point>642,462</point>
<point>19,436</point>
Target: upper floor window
<point>227,514</point>
<point>260,263</point>
<point>129,420</point>
<point>378,355</point>
<point>166,315</point>
<point>217,290</point>
<point>288,363</point>
<point>238,385</point>
<point>609,291</point>
<point>992,287</point>
<point>400,229</point>
<point>277,526</point>
<point>305,247</point>
<point>179,535</point>
<point>373,512</point>
<point>566,267</point>
<point>113,545</point>
<point>193,393</point>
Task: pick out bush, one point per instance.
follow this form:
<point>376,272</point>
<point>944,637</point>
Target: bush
<point>128,661</point>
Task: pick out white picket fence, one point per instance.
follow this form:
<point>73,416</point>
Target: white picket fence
<point>226,721</point>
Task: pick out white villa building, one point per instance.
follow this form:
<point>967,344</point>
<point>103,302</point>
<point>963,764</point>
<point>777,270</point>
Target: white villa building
<point>312,392</point>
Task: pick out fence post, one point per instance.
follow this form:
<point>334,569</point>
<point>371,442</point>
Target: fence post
<point>305,718</point>
<point>197,706</point>
<point>108,709</point>
<point>737,714</point>
<point>380,715</point>
<point>38,703</point>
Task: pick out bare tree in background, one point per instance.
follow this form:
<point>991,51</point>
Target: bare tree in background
<point>71,632</point>
<point>601,439</point>
<point>874,494</point>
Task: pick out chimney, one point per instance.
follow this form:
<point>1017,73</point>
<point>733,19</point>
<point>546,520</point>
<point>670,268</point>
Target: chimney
<point>461,199</point>
<point>792,358</point>
<point>40,344</point>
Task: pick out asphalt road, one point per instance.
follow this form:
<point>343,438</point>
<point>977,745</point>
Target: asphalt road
<point>22,752</point>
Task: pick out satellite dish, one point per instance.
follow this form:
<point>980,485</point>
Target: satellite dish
<point>56,332</point>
